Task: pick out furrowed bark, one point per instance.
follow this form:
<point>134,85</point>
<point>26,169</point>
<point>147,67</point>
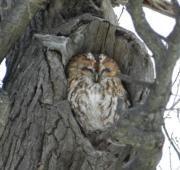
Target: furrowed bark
<point>16,21</point>
<point>41,131</point>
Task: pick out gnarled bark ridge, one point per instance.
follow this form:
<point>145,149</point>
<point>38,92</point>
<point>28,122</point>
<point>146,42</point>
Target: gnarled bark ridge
<point>40,131</point>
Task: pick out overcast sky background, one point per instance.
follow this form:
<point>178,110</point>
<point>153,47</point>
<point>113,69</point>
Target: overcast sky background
<point>2,71</point>
<point>163,25</point>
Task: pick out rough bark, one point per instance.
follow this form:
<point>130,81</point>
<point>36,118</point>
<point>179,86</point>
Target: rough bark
<point>14,18</point>
<point>40,131</point>
<point>15,15</point>
<point>4,109</point>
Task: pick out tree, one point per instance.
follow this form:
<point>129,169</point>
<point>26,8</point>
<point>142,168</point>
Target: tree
<point>38,130</point>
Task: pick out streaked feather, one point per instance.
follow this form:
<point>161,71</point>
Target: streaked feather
<point>94,103</point>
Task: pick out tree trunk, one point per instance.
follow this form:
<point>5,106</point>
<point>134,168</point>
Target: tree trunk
<point>40,131</point>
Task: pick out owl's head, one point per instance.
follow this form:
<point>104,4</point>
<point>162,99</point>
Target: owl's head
<point>94,67</point>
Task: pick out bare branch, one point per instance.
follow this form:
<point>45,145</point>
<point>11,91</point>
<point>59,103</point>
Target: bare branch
<point>176,98</point>
<point>165,68</point>
<point>171,142</point>
<point>165,59</point>
<point>170,161</point>
<point>122,135</point>
<point>144,30</point>
<point>160,167</point>
<point>13,27</point>
<point>178,74</point>
<point>174,37</point>
<point>161,6</point>
<point>121,14</point>
<point>119,2</point>
<point>174,139</point>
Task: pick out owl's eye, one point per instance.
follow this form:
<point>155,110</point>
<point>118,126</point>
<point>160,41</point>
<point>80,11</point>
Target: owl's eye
<point>106,70</point>
<point>87,69</point>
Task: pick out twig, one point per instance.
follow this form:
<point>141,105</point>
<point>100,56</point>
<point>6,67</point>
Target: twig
<point>160,167</point>
<point>178,74</point>
<point>175,143</point>
<point>170,161</point>
<point>121,13</point>
<point>175,102</point>
<point>171,142</point>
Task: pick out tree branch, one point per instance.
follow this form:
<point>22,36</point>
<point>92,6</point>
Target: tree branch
<point>174,37</point>
<point>164,59</point>
<point>160,94</point>
<point>132,130</point>
<point>170,141</point>
<point>150,37</point>
<point>161,6</point>
<point>12,27</point>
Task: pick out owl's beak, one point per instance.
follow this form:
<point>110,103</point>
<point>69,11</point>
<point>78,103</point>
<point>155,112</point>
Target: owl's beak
<point>97,77</point>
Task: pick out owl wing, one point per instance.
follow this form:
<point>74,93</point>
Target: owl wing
<point>123,101</point>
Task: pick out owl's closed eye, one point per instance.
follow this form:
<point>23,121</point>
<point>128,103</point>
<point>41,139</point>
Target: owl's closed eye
<point>94,89</point>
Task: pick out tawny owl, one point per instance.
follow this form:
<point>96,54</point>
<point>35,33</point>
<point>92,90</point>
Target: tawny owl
<point>94,90</point>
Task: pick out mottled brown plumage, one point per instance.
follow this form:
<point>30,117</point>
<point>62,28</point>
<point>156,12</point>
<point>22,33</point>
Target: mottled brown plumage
<point>94,89</point>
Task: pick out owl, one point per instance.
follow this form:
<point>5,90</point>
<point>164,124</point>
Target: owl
<point>94,88</point>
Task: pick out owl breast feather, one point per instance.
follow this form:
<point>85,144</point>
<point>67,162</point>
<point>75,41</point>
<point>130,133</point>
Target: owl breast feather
<point>95,109</point>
